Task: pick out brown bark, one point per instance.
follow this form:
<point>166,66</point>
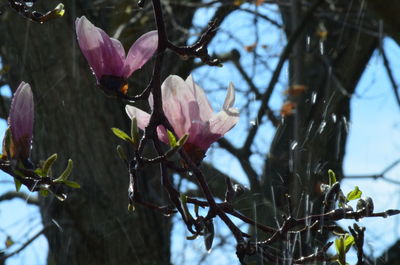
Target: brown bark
<point>73,118</point>
<point>313,139</point>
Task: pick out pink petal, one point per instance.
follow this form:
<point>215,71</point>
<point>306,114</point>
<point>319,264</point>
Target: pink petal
<point>21,120</point>
<point>178,104</point>
<point>201,136</point>
<point>201,99</point>
<point>140,52</point>
<point>118,48</point>
<point>143,119</point>
<point>104,55</point>
<point>222,122</point>
<point>230,99</point>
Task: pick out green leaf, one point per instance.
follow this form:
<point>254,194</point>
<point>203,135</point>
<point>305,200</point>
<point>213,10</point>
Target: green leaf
<point>72,184</point>
<point>40,172</point>
<point>122,135</point>
<point>121,153</point>
<point>171,138</point>
<point>348,242</point>
<point>182,140</point>
<point>339,245</point>
<point>18,184</point>
<point>342,245</point>
<point>354,194</point>
<point>64,176</point>
<point>332,177</point>
<point>44,193</point>
<point>59,10</point>
<point>48,163</point>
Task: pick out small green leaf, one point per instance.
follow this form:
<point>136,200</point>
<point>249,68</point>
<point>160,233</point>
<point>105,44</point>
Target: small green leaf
<point>341,254</point>
<point>348,242</point>
<point>354,194</point>
<point>342,245</point>
<point>48,163</point>
<point>171,138</point>
<point>40,172</point>
<point>59,10</point>
<point>44,193</point>
<point>332,177</point>
<point>64,176</point>
<point>72,184</point>
<point>121,153</point>
<point>122,135</point>
<point>339,245</point>
<point>18,184</point>
<point>182,140</point>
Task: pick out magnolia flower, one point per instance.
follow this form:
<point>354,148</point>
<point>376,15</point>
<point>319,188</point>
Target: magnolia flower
<point>20,122</point>
<point>187,109</point>
<point>106,56</point>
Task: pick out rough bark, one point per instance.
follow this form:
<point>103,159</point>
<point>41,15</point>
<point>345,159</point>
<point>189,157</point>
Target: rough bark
<point>73,118</point>
<point>312,140</point>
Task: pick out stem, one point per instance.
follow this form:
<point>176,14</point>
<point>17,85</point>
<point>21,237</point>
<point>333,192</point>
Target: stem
<point>210,198</point>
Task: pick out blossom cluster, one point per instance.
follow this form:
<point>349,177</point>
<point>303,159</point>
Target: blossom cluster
<point>185,104</point>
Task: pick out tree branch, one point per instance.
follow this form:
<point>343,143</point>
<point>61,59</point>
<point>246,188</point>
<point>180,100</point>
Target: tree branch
<point>27,243</point>
<point>19,195</point>
<point>274,79</point>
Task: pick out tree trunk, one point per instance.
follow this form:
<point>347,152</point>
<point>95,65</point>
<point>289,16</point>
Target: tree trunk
<point>312,139</point>
<point>73,119</point>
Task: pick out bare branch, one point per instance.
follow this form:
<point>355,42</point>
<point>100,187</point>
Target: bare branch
<point>27,243</point>
<point>389,72</point>
<point>19,195</point>
<point>285,54</point>
<point>380,175</point>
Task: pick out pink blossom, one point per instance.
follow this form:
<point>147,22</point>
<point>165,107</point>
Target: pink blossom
<point>189,112</point>
<point>20,121</point>
<point>106,56</point>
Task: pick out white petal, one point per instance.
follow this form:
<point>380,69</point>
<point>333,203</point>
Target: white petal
<point>223,121</point>
<point>230,97</point>
<point>142,117</point>
<point>201,99</point>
